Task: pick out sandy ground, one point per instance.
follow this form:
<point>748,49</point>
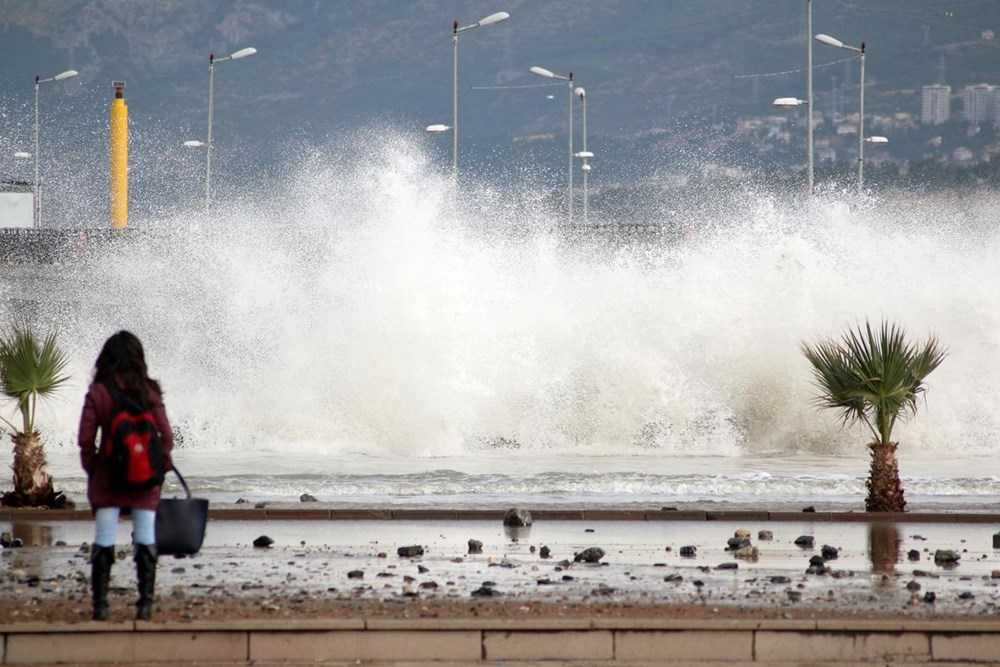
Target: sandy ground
<point>352,568</point>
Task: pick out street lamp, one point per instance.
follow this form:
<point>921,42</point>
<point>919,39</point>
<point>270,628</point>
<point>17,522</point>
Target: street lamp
<point>836,43</point>
<point>541,71</point>
<point>62,76</point>
<point>489,20</point>
<point>786,103</point>
<point>242,53</point>
<point>584,154</point>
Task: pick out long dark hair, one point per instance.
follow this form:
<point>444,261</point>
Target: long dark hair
<point>122,362</point>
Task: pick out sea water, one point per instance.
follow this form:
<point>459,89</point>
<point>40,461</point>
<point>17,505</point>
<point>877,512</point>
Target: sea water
<point>361,331</point>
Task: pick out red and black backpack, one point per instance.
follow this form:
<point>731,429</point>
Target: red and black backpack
<point>132,447</point>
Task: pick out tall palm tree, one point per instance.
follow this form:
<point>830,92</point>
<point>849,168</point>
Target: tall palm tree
<point>30,369</point>
<point>875,377</point>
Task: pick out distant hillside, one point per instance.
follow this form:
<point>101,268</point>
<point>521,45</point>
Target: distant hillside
<point>326,67</point>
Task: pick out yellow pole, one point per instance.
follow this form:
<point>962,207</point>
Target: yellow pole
<point>119,158</point>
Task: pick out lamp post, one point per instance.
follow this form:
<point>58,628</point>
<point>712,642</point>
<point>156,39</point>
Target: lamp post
<point>792,102</point>
<point>584,154</point>
<point>541,71</point>
<point>809,89</point>
<point>62,76</point>
<point>836,43</point>
<point>456,30</point>
<point>242,53</point>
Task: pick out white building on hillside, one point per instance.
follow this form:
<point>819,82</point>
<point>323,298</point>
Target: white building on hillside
<point>935,105</point>
<point>980,104</point>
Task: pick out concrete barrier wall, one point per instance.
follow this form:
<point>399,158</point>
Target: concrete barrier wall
<point>476,641</point>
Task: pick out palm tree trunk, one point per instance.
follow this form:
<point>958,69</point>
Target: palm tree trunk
<point>885,490</point>
<point>32,483</point>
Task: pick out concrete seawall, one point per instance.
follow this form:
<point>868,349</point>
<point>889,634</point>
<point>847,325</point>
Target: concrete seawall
<point>635,641</point>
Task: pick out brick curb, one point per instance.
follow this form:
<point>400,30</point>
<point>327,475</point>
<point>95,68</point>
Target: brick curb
<point>523,641</point>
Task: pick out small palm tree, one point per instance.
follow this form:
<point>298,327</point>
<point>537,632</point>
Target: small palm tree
<point>30,369</point>
<point>875,377</point>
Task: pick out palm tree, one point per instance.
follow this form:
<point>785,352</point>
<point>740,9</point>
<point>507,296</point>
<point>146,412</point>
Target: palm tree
<point>30,369</point>
<point>875,377</point>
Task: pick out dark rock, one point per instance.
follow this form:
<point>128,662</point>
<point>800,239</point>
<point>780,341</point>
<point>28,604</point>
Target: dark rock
<point>817,569</point>
<point>588,530</point>
<point>735,543</point>
<point>517,517</point>
<point>828,552</point>
<point>410,552</point>
<point>913,554</point>
<point>727,566</point>
<point>946,557</point>
<point>966,595</point>
<point>486,592</point>
<point>668,509</point>
<point>260,506</point>
<point>805,541</point>
<point>6,539</point>
<point>17,543</point>
<point>780,579</point>
<point>688,552</point>
<point>817,560</point>
<point>809,509</point>
<point>429,585</point>
<point>475,547</point>
<point>589,555</point>
<point>545,552</point>
<point>930,597</point>
<point>996,541</point>
<point>603,589</point>
<point>241,501</point>
<point>422,569</point>
<point>698,583</point>
<point>794,596</point>
<point>674,578</point>
<point>765,535</point>
<point>567,577</point>
<point>306,498</point>
<point>356,574</point>
<point>263,542</point>
<point>913,586</point>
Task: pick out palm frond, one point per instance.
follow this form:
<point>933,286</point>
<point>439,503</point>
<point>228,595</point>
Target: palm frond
<point>872,376</point>
<point>30,369</point>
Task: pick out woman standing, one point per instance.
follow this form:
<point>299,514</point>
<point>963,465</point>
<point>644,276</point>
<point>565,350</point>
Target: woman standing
<point>120,371</point>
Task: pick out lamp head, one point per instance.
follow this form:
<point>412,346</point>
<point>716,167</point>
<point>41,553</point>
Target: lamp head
<point>541,71</point>
<point>437,129</point>
<point>830,41</point>
<point>580,92</point>
<point>243,53</point>
<point>68,74</point>
<point>494,18</point>
<point>788,103</point>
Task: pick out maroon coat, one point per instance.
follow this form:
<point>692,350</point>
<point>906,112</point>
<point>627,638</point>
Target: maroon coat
<point>97,408</point>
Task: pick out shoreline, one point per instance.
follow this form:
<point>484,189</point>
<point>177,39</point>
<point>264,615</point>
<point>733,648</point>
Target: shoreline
<point>291,511</point>
<point>684,568</point>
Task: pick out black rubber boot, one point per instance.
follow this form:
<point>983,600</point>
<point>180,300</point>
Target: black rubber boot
<point>145,570</point>
<point>101,560</point>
